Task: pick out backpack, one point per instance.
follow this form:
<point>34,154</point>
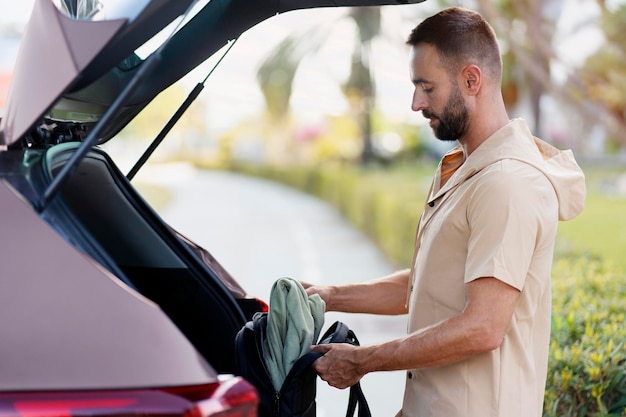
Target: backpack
<point>296,397</point>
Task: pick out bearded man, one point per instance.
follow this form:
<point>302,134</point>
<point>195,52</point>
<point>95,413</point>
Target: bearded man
<point>478,292</point>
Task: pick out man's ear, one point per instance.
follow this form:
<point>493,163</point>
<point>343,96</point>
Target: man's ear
<point>472,79</point>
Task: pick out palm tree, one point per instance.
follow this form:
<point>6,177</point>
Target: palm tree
<point>275,76</point>
<point>602,79</point>
<point>277,72</point>
<point>527,60</point>
<point>360,85</point>
<point>589,90</point>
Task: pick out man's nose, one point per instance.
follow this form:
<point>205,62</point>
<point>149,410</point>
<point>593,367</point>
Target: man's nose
<point>419,102</point>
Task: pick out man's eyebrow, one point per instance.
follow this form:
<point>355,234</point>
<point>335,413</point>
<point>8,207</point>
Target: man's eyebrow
<point>421,81</point>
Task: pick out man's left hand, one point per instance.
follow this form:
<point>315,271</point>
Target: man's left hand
<point>339,366</point>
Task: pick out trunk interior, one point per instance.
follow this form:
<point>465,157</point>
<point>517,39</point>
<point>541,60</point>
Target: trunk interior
<point>134,240</point>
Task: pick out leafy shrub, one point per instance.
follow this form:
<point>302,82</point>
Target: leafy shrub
<point>587,364</point>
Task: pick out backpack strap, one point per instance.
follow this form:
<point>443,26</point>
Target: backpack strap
<point>358,398</point>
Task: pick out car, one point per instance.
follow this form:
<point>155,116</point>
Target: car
<point>104,308</point>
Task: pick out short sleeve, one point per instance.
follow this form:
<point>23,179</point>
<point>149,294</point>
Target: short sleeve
<point>504,215</point>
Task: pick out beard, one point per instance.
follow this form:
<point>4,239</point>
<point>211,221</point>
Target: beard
<point>454,119</point>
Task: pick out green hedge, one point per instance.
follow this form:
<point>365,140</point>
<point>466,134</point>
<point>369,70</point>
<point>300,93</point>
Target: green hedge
<point>587,365</point>
<point>587,370</point>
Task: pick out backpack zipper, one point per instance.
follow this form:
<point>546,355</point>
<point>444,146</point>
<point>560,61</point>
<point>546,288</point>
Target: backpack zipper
<point>277,403</point>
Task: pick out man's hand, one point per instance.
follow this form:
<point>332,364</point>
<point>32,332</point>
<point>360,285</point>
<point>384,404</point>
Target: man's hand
<point>321,290</point>
<point>339,366</point>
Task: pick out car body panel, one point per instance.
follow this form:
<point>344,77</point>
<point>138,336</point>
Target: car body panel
<point>78,327</point>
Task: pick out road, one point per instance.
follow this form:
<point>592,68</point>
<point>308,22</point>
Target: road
<point>261,231</point>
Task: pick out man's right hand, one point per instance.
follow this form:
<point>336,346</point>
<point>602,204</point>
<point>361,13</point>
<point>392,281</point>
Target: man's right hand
<point>322,290</point>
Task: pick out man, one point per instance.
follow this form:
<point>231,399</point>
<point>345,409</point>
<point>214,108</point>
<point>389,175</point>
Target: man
<point>478,293</point>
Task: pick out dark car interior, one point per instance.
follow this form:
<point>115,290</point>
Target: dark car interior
<point>150,256</point>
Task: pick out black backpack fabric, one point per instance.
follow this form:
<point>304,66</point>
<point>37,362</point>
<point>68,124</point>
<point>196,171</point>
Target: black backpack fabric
<point>296,397</point>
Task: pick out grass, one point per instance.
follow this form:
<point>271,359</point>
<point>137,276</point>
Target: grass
<point>600,230</point>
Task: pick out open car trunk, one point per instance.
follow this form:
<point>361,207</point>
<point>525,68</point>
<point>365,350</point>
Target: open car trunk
<point>102,264</point>
<point>148,255</point>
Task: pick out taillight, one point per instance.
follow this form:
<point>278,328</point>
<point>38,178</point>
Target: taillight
<point>231,398</point>
<point>251,306</point>
<point>263,305</point>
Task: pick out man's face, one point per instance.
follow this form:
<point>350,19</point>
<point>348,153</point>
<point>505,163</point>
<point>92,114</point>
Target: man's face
<point>436,96</point>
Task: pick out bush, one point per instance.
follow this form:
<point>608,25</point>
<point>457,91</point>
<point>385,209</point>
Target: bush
<point>587,364</point>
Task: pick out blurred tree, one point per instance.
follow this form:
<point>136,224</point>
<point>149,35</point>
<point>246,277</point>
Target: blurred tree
<point>278,70</point>
<point>275,76</point>
<point>359,88</point>
<point>528,27</point>
<point>604,73</point>
<point>595,92</point>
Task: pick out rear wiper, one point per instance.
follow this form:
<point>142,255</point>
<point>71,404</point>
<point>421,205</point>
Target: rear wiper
<point>91,140</point>
<point>174,119</point>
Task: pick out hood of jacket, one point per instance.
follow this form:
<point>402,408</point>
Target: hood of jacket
<point>515,141</point>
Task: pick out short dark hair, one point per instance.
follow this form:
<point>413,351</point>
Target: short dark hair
<point>461,37</point>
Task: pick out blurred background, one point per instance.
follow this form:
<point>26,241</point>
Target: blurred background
<point>333,84</point>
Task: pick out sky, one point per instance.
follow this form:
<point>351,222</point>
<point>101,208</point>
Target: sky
<point>232,93</point>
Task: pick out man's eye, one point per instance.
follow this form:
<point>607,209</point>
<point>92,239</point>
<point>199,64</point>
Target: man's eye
<point>427,90</point>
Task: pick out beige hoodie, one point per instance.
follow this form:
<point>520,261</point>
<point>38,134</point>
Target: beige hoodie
<point>496,215</point>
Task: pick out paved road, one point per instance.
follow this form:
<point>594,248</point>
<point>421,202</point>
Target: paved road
<point>261,231</point>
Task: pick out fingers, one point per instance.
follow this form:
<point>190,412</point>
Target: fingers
<point>329,374</point>
<point>313,289</point>
<point>323,348</point>
<point>335,367</point>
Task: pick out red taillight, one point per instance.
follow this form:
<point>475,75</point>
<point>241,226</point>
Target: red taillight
<point>263,305</point>
<point>231,398</point>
